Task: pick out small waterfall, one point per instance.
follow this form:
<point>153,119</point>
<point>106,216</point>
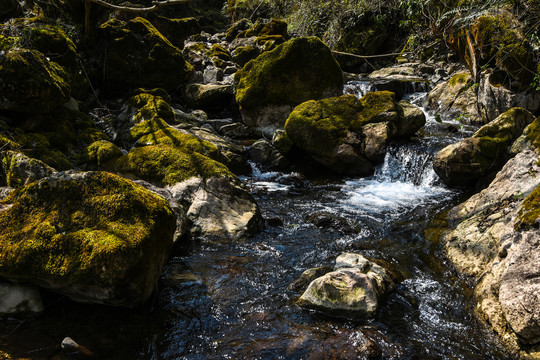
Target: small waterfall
<point>358,88</point>
<point>409,163</point>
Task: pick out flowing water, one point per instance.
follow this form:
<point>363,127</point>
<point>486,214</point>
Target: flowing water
<point>231,300</point>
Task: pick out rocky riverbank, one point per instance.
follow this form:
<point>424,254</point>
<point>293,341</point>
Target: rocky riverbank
<point>110,164</point>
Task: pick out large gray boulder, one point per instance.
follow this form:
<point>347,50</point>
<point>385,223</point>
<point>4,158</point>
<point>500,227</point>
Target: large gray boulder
<point>218,207</point>
<point>493,238</point>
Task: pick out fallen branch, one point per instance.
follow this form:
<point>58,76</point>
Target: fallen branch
<point>370,56</point>
<point>156,5</point>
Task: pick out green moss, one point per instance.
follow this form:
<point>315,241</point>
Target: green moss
<point>460,78</point>
<point>178,139</point>
<point>30,83</point>
<point>237,28</point>
<point>501,44</point>
<point>102,151</point>
<point>243,54</point>
<point>151,106</point>
<point>87,231</point>
<point>532,132</point>
<point>136,55</point>
<point>270,41</point>
<point>164,164</point>
<point>54,43</point>
<point>318,126</point>
<point>296,71</point>
<point>274,27</point>
<point>529,212</point>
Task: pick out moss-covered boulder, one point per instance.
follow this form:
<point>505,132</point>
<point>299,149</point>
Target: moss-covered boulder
<point>500,44</point>
<point>349,135</point>
<point>17,169</point>
<point>31,83</point>
<point>94,237</point>
<point>167,165</point>
<point>467,161</point>
<point>137,55</point>
<point>271,85</point>
<point>102,151</point>
<point>53,42</point>
<point>209,96</point>
<point>175,30</point>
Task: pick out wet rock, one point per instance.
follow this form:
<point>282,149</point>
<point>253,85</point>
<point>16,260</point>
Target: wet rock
<point>262,152</point>
<point>355,289</point>
<point>232,154</point>
<point>212,75</point>
<point>467,161</point>
<point>236,131</point>
<point>300,285</point>
<point>455,99</point>
<point>31,83</point>
<point>276,81</point>
<point>137,55</point>
<point>273,221</point>
<point>346,346</point>
<point>350,135</point>
<point>19,298</point>
<point>494,98</point>
<point>331,221</point>
<point>18,169</point>
<point>107,251</point>
<point>209,95</point>
<point>218,207</point>
<point>494,239</point>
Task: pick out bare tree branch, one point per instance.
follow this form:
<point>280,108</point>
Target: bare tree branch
<point>156,5</point>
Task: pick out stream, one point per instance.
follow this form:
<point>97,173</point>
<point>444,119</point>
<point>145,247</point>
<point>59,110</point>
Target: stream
<point>231,300</point>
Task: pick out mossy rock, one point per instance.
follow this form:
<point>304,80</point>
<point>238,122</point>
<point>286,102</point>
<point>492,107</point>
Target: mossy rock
<point>273,27</point>
<point>176,30</point>
<point>167,165</point>
<point>349,135</point>
<point>500,43</point>
<point>178,139</point>
<point>269,42</point>
<point>237,28</point>
<point>53,42</point>
<point>469,160</point>
<point>94,237</point>
<point>102,151</point>
<point>137,55</point>
<point>31,83</point>
<point>150,106</point>
<point>318,126</point>
<point>529,213</point>
<point>20,170</point>
<point>243,54</point>
<point>296,71</point>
